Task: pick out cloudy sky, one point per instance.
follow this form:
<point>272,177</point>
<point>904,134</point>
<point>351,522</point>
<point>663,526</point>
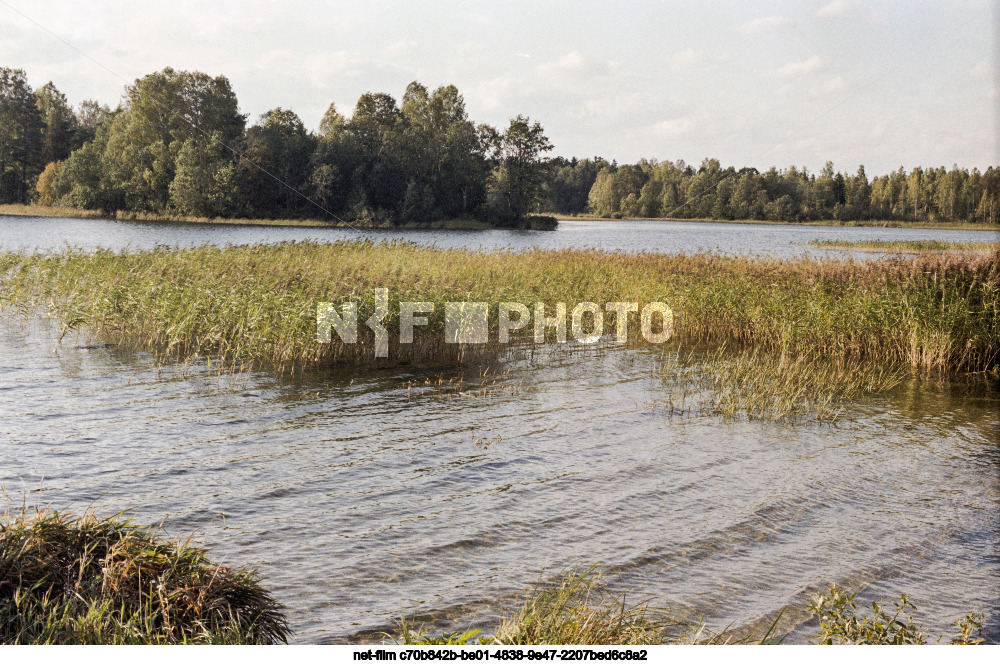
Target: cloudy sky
<point>884,83</point>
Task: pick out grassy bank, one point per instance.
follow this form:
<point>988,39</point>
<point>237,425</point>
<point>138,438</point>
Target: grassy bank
<point>533,222</point>
<point>15,210</point>
<point>108,581</point>
<point>258,304</point>
<point>907,246</point>
<point>875,223</point>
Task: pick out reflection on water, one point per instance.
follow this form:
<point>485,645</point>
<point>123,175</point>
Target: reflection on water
<point>48,234</point>
<point>363,499</point>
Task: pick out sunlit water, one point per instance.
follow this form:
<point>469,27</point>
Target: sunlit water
<point>367,498</point>
<point>28,233</point>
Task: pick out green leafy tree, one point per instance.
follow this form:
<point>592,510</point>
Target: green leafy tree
<point>21,127</point>
<point>163,111</point>
<point>520,169</point>
<point>205,184</point>
<point>59,129</point>
<point>277,165</point>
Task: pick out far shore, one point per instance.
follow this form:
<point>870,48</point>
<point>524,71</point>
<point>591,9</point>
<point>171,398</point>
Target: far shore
<point>875,223</point>
<point>15,210</point>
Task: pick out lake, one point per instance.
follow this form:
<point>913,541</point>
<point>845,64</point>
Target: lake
<point>442,496</point>
<point>50,234</point>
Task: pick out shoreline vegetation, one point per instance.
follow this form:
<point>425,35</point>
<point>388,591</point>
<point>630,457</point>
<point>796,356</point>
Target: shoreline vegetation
<point>178,145</point>
<point>256,306</point>
<point>578,608</point>
<point>89,580</point>
<point>865,223</point>
<point>530,222</point>
<point>908,246</point>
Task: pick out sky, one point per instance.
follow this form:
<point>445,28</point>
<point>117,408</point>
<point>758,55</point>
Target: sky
<point>880,83</point>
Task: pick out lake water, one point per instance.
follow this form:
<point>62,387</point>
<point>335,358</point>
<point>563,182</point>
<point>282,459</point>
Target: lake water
<point>48,234</point>
<point>363,498</point>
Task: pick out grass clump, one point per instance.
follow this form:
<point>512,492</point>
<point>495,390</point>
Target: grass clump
<point>839,624</point>
<point>87,580</point>
<point>905,246</point>
<point>578,609</point>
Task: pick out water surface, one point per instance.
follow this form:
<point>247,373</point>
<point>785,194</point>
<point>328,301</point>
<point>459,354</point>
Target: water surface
<point>365,498</point>
<point>48,234</point>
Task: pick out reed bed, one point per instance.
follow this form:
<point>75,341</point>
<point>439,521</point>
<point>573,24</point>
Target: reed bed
<point>907,246</point>
<point>755,384</point>
<point>87,580</point>
<point>256,305</point>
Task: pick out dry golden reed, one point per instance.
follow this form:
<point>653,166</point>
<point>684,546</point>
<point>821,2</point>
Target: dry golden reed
<point>257,304</point>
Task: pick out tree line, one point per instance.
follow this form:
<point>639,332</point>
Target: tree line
<point>178,144</point>
<point>677,190</point>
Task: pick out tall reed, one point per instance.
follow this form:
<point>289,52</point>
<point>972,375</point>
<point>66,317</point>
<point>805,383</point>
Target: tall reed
<point>257,304</point>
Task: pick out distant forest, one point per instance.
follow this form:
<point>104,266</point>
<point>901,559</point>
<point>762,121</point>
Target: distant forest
<point>178,145</point>
<point>680,191</point>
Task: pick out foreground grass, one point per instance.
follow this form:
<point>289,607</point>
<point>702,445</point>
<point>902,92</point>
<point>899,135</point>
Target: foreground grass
<point>257,305</point>
<point>577,609</point>
<point>907,246</point>
<point>108,581</point>
<point>868,223</point>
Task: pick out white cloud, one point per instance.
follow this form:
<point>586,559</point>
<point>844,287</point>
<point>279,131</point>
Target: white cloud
<point>836,8</point>
<point>492,94</point>
<point>694,57</point>
<point>573,64</point>
<point>399,47</point>
<point>674,128</point>
<point>763,24</point>
<point>807,66</point>
<point>981,69</point>
<point>833,86</point>
<point>323,67</point>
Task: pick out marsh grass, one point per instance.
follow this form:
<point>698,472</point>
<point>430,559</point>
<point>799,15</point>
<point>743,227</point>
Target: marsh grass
<point>578,608</point>
<point>748,382</point>
<point>907,246</point>
<point>86,580</point>
<point>256,306</point>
